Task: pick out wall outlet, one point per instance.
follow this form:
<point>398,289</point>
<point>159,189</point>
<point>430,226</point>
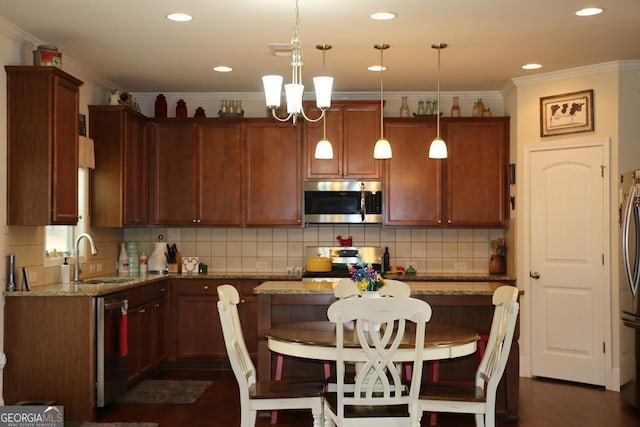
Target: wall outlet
<point>261,265</point>
<point>460,266</point>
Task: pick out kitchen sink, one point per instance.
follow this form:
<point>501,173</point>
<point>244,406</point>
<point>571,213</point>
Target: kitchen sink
<point>105,281</point>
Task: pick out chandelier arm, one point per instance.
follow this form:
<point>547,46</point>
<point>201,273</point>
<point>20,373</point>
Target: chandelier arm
<point>322,114</point>
<point>278,118</point>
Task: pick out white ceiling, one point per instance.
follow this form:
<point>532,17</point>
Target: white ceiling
<point>131,44</point>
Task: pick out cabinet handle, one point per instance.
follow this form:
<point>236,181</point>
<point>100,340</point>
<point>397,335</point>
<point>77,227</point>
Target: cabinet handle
<point>242,301</point>
<point>157,305</point>
<point>163,289</point>
<point>142,310</point>
<point>206,287</point>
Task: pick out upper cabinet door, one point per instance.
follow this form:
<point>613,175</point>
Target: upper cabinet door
<point>173,173</point>
<point>220,164</point>
<point>119,183</point>
<point>476,171</point>
<point>412,181</point>
<point>42,146</point>
<point>273,178</point>
<point>353,127</point>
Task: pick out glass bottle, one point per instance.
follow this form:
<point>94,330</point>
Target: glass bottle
<point>404,108</point>
<point>428,109</point>
<point>420,108</point>
<point>239,107</point>
<point>455,108</point>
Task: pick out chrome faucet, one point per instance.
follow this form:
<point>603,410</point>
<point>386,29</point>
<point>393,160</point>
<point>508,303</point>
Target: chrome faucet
<point>94,251</point>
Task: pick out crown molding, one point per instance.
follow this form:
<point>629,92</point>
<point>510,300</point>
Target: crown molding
<point>571,73</point>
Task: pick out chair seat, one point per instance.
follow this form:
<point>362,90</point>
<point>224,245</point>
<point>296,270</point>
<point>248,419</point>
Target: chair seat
<point>452,392</point>
<point>367,411</point>
<point>285,389</point>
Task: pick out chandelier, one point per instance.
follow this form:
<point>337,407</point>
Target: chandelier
<point>382,149</point>
<point>295,89</point>
<point>438,148</point>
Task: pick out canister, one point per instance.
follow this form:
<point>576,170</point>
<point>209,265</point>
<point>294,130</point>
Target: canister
<point>47,55</point>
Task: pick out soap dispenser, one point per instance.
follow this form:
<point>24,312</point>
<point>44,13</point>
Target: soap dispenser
<point>65,272</point>
<point>123,261</point>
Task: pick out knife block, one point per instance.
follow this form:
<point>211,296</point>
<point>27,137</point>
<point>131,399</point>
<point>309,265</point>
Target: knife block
<point>173,268</point>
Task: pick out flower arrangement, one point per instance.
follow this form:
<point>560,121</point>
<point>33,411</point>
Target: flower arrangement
<point>365,276</point>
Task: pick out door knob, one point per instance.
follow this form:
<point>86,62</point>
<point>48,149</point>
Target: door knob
<point>534,275</point>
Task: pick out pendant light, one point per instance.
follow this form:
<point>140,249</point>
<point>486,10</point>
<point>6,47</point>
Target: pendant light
<point>438,148</point>
<point>382,149</point>
<point>324,149</point>
<point>294,90</point>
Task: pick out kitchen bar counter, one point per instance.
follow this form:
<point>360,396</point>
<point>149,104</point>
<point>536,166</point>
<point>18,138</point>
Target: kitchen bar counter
<point>417,288</point>
<point>277,283</point>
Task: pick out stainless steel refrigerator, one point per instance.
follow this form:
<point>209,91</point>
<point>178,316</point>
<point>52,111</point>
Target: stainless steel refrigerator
<point>629,219</point>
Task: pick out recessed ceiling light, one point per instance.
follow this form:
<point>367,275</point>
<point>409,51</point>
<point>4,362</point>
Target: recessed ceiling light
<point>377,68</point>
<point>589,11</point>
<point>222,69</point>
<point>383,16</point>
<point>179,17</point>
<point>531,66</point>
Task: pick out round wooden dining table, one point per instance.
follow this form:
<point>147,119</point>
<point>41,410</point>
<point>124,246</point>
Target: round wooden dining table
<point>317,340</point>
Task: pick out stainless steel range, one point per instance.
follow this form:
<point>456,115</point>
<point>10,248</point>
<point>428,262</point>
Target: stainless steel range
<point>341,256</point>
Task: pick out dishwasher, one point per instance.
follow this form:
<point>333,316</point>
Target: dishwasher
<point>111,348</point>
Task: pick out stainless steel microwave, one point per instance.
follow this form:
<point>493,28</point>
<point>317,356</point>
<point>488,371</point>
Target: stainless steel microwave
<point>343,202</point>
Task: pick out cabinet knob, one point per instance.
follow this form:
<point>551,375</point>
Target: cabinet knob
<point>142,310</point>
<point>448,221</point>
<point>163,289</point>
<point>242,301</point>
<point>206,287</point>
<point>194,221</point>
<point>157,305</point>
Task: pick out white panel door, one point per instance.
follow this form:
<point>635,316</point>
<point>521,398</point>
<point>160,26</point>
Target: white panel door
<point>567,282</point>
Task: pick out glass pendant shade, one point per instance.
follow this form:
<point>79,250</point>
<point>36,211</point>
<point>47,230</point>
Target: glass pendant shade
<point>323,86</point>
<point>324,150</point>
<point>272,89</point>
<point>293,92</point>
<point>382,149</point>
<point>438,149</point>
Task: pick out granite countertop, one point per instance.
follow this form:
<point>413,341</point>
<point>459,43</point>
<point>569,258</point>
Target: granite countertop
<point>417,288</point>
<point>283,283</point>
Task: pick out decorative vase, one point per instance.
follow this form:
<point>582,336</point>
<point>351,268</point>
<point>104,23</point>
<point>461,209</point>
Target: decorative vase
<point>455,108</point>
<point>181,109</point>
<point>200,113</point>
<point>371,294</point>
<point>478,108</point>
<point>404,107</point>
<point>161,106</point>
<point>497,264</point>
<point>428,108</point>
<point>420,108</point>
<point>487,113</point>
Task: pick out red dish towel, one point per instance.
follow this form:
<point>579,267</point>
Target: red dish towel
<point>124,349</point>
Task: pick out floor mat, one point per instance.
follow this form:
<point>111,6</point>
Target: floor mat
<point>165,392</point>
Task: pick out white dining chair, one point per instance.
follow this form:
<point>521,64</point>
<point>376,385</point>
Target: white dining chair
<point>378,396</point>
<point>480,398</point>
<point>256,396</point>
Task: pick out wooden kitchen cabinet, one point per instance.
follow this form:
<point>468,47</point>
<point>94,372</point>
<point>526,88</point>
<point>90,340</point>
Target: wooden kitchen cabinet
<point>147,328</point>
<point>412,181</point>
<point>353,127</point>
<point>273,179</point>
<point>476,171</point>
<point>119,195</point>
<point>198,333</point>
<point>466,189</point>
<point>196,173</point>
<point>42,146</point>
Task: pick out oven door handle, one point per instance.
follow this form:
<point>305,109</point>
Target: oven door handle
<point>124,305</point>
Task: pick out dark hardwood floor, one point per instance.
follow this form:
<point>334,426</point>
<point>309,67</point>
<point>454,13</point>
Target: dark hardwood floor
<point>543,403</point>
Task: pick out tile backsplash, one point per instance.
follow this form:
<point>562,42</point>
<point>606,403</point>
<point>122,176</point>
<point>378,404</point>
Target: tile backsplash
<point>273,250</point>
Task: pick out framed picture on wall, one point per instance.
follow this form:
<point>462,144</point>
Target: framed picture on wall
<point>566,113</point>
